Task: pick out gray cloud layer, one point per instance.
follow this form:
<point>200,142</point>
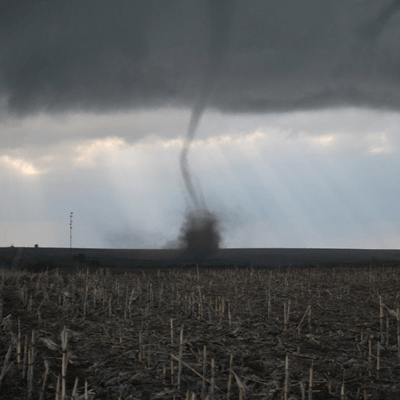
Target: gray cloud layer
<point>98,55</point>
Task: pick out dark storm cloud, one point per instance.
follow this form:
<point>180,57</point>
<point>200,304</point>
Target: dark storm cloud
<point>99,55</point>
<point>373,28</point>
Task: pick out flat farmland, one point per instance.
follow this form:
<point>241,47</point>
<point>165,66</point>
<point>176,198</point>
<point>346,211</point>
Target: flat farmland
<point>201,333</point>
<point>42,258</point>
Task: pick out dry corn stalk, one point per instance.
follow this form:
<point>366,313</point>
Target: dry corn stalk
<point>19,344</point>
<point>286,387</point>
<point>310,381</point>
<point>307,312</point>
<point>180,357</point>
<point>212,384</point>
<point>382,336</point>
<point>64,364</point>
<point>25,359</point>
<point>31,359</point>
<point>241,386</point>
<point>58,388</point>
<point>45,377</point>
<point>74,395</point>
<point>6,364</point>
<point>228,395</point>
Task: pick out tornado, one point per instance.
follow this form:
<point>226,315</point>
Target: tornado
<point>200,234</point>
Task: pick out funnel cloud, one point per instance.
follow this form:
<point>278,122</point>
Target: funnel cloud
<point>199,233</point>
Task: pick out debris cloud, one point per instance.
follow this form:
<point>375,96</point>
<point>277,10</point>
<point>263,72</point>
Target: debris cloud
<point>200,234</point>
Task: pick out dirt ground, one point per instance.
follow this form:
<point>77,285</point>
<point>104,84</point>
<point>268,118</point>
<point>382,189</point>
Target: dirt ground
<point>197,333</point>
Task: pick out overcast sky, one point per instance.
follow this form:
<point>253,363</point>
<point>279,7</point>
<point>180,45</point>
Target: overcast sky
<point>297,143</point>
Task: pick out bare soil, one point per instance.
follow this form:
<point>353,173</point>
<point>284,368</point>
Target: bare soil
<point>197,333</point>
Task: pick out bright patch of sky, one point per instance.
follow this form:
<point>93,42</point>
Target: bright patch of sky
<point>300,179</point>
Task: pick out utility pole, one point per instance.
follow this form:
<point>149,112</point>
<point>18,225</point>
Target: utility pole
<point>70,231</point>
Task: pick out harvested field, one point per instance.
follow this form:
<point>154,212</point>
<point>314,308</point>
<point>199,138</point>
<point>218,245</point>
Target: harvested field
<point>305,333</point>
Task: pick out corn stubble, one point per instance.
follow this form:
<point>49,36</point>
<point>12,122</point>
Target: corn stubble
<point>311,333</point>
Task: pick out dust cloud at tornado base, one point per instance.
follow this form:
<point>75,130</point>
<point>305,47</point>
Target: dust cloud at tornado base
<point>200,234</point>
